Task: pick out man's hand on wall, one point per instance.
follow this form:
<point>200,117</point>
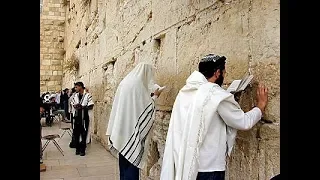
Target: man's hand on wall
<point>157,92</point>
<point>262,97</point>
<point>237,96</point>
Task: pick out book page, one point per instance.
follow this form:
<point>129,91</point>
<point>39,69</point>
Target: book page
<point>162,88</point>
<point>156,86</point>
<point>245,83</point>
<point>234,86</point>
<point>242,81</point>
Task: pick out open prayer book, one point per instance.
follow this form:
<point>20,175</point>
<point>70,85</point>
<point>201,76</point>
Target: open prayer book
<point>240,84</point>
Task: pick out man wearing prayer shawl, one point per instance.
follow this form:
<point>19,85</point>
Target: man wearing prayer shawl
<point>131,119</point>
<point>82,103</point>
<point>203,124</point>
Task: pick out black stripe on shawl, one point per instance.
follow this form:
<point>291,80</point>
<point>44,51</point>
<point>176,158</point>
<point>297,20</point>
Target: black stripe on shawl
<point>138,159</point>
<point>140,134</point>
<point>136,131</point>
<point>135,127</point>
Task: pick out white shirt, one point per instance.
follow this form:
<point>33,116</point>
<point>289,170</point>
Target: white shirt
<point>214,148</point>
<point>58,98</point>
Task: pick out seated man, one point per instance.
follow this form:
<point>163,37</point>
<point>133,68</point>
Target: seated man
<point>56,110</point>
<point>53,109</point>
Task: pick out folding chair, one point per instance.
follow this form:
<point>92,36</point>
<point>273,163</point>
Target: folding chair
<point>68,130</point>
<point>52,138</point>
<point>65,129</point>
<point>56,118</point>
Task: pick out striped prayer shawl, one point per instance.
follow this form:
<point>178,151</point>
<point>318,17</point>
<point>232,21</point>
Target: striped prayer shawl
<point>86,100</point>
<point>134,148</point>
<point>131,117</point>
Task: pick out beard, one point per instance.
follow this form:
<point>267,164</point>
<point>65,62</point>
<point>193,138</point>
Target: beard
<point>219,81</point>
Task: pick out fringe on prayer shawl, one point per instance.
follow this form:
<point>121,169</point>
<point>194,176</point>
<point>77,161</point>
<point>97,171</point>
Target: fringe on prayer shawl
<point>112,150</point>
<point>200,137</point>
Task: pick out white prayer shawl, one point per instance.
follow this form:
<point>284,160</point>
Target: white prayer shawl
<point>131,117</point>
<point>85,101</point>
<point>191,114</point>
<point>71,108</point>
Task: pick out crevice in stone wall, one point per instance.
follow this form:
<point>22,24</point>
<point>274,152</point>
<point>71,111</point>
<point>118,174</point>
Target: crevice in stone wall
<point>60,39</point>
<point>149,16</point>
<point>112,62</point>
<point>248,38</point>
<point>158,42</point>
<point>157,47</point>
<point>78,44</point>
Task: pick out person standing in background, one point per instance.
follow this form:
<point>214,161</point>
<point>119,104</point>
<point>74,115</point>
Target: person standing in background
<point>65,100</point>
<point>82,103</point>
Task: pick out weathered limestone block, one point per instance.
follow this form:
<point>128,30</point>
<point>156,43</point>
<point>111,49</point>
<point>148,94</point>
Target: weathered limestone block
<point>164,49</point>
<point>51,44</point>
<point>158,136</point>
<point>256,157</point>
<point>136,21</point>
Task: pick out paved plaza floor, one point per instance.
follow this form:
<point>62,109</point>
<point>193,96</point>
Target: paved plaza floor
<point>98,164</point>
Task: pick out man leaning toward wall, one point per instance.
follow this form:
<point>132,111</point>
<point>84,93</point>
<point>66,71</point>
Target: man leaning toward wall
<point>203,124</point>
<point>131,119</point>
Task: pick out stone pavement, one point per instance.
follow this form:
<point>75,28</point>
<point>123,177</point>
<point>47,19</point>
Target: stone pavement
<point>98,164</point>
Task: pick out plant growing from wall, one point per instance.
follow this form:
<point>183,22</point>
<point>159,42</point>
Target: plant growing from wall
<point>65,2</point>
<point>72,64</point>
<point>85,2</point>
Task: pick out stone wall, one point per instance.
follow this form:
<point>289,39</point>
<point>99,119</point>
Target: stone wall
<point>52,26</point>
<point>109,37</point>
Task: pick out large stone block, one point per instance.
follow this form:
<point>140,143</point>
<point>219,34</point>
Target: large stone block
<point>55,62</point>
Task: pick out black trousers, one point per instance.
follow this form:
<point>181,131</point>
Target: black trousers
<point>78,131</point>
<point>66,109</point>
<point>216,175</point>
<point>127,170</point>
<point>72,143</point>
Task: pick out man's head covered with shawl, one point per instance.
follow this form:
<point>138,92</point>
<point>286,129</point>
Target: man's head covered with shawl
<point>143,72</point>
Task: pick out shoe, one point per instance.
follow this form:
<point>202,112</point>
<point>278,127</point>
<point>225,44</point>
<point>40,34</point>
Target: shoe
<point>82,153</point>
<point>72,145</point>
<point>77,152</point>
